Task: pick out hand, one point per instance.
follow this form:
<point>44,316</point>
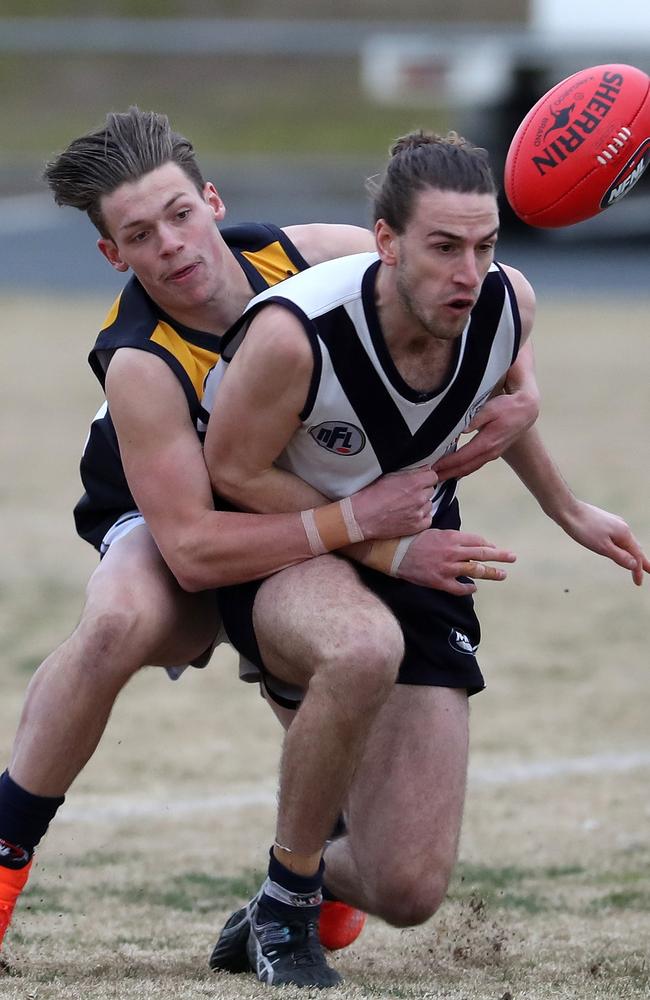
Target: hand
<point>437,558</point>
<point>397,504</point>
<point>608,535</point>
<point>499,423</point>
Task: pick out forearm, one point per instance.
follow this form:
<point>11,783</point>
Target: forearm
<point>267,491</point>
<point>529,458</point>
<point>222,548</point>
<point>394,507</point>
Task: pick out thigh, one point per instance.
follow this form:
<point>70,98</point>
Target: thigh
<point>406,803</point>
<point>134,586</point>
<point>320,606</point>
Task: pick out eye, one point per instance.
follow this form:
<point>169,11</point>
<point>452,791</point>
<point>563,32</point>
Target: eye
<point>183,214</point>
<point>139,237</point>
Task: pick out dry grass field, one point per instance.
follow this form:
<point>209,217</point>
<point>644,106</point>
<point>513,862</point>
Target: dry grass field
<point>167,828</point>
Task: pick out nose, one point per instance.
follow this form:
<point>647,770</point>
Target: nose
<point>169,240</point>
<point>467,271</point>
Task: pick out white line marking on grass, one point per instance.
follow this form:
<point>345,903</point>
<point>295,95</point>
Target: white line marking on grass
<point>93,808</point>
<point>605,763</point>
<point>98,809</point>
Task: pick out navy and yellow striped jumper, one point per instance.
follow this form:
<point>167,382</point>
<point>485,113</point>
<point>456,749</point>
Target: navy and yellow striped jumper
<point>266,256</point>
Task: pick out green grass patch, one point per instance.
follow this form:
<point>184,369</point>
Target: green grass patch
<point>193,891</point>
<point>527,902</point>
<point>485,879</point>
<point>38,899</point>
<point>563,871</point>
<point>625,899</point>
<point>97,859</point>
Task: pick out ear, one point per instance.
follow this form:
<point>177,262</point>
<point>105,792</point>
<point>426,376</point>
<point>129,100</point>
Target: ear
<point>109,250</point>
<point>212,198</point>
<point>386,240</point>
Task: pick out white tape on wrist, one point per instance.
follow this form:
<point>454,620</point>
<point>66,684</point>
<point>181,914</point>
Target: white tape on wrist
<point>331,527</point>
<point>355,534</point>
<point>387,555</point>
<point>313,536</point>
<point>402,548</point>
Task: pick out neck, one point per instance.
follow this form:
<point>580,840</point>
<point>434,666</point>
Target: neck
<point>422,358</point>
<point>229,297</point>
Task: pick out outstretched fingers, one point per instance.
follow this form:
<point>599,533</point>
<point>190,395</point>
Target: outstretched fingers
<point>476,562</point>
<point>625,551</point>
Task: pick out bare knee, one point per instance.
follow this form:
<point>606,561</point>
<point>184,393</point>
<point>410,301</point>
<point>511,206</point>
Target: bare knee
<point>406,900</point>
<point>109,637</point>
<point>317,625</point>
<point>362,662</point>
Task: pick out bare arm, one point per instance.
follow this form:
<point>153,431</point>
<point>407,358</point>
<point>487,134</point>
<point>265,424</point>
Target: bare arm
<point>166,472</point>
<point>255,413</point>
<point>509,413</point>
<point>596,529</point>
<point>319,241</point>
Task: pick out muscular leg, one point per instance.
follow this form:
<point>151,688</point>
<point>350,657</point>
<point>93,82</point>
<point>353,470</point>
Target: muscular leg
<point>135,614</point>
<point>318,626</point>
<point>405,807</point>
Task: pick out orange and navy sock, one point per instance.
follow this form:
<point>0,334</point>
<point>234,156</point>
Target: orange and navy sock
<point>14,871</point>
<point>24,819</point>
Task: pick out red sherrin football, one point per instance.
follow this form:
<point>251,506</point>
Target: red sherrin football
<point>581,148</point>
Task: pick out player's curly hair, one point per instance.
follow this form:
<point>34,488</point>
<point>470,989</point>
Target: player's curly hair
<point>421,160</point>
<point>127,146</point>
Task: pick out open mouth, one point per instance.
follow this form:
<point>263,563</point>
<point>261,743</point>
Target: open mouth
<point>182,272</point>
<point>459,305</point>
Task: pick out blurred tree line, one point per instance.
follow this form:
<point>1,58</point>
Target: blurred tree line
<point>440,10</point>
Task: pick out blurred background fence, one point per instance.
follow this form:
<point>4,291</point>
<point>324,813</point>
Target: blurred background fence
<point>292,106</point>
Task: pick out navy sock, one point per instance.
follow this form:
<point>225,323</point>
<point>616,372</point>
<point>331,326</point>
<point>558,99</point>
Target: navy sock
<point>288,896</point>
<point>24,818</point>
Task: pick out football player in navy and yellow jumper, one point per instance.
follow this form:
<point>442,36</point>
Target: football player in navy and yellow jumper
<point>148,503</point>
<point>266,256</point>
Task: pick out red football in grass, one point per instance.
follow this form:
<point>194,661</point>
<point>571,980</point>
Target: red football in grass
<point>581,148</point>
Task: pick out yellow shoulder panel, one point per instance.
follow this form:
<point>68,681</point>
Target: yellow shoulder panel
<point>271,262</point>
<point>196,361</point>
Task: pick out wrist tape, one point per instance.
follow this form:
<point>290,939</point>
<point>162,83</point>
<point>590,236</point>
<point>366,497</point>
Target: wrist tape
<point>387,555</point>
<point>331,527</point>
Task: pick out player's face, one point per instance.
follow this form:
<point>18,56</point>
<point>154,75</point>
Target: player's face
<point>441,258</point>
<point>165,230</point>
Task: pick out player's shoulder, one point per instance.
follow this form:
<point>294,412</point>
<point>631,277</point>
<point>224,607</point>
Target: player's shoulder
<point>265,253</point>
<point>322,287</point>
<point>250,236</point>
<point>524,296</point>
<point>520,284</point>
<point>321,241</point>
<point>275,342</point>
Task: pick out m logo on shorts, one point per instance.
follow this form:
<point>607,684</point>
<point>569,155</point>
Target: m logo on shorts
<point>460,642</point>
<point>339,437</point>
